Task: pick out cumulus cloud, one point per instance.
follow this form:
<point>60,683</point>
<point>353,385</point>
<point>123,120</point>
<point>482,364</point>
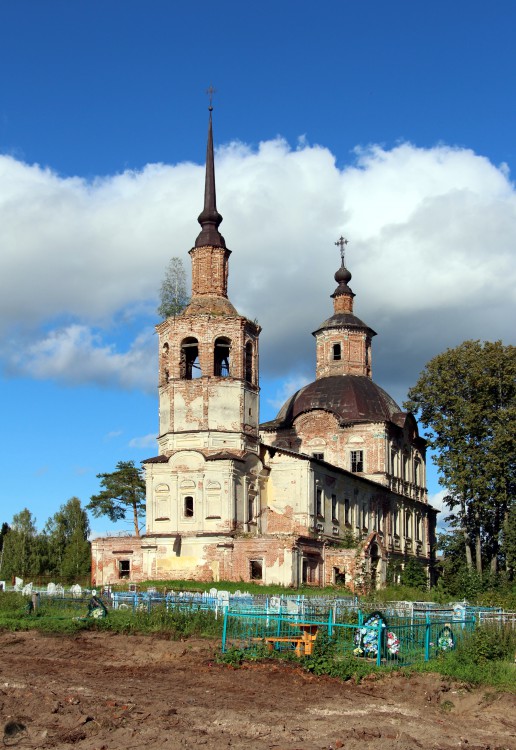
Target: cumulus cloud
<point>77,355</point>
<point>432,235</point>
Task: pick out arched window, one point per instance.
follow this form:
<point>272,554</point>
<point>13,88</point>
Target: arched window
<point>337,354</point>
<point>249,362</point>
<point>221,357</point>
<point>190,366</point>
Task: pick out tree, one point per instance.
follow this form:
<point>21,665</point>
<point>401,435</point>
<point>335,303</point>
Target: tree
<point>173,294</point>
<point>68,546</point>
<point>414,575</point>
<point>3,531</point>
<point>124,491</point>
<point>23,552</point>
<point>467,397</point>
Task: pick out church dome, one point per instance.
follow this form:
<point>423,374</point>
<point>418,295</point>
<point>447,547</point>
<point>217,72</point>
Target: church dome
<point>351,398</point>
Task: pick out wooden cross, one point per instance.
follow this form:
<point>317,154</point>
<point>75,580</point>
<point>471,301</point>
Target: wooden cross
<point>341,243</point>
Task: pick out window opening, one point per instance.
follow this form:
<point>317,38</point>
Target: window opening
<point>339,577</point>
<point>417,471</point>
<point>337,354</point>
<point>395,522</point>
<point>124,568</point>
<point>190,366</point>
<point>347,520</point>
<point>251,507</point>
<point>256,570</point>
<point>318,455</point>
<point>334,509</point>
<point>318,502</point>
<point>188,507</point>
<point>249,362</point>
<point>310,570</point>
<point>357,461</point>
<point>408,524</point>
<point>221,357</point>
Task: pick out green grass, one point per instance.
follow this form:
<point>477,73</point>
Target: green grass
<point>232,586</point>
<point>70,617</point>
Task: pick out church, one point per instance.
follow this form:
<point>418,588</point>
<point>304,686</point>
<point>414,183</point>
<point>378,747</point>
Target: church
<point>331,491</point>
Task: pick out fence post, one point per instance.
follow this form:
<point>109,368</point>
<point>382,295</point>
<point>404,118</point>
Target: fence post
<point>330,623</point>
<point>379,644</point>
<point>224,629</point>
<point>427,637</point>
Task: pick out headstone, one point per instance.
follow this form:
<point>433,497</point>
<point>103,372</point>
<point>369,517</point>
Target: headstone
<point>27,589</point>
<point>51,589</point>
<point>75,590</point>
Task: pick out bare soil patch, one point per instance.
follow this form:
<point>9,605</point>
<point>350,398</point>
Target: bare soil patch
<point>99,691</point>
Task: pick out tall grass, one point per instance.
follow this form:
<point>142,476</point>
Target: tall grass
<point>60,616</point>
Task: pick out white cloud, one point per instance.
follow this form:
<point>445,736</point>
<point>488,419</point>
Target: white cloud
<point>113,434</point>
<point>432,235</point>
<point>77,355</point>
<point>143,442</point>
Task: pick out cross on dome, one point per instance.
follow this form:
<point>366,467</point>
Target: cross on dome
<point>341,243</point>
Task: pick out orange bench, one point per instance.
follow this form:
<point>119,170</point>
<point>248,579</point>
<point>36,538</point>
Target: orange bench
<point>304,642</point>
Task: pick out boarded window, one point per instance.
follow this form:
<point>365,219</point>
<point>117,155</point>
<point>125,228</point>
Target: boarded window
<point>311,570</point>
<point>213,500</point>
<point>221,357</point>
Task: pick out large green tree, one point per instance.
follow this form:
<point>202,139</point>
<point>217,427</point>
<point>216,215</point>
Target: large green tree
<point>173,294</point>
<point>466,396</point>
<point>123,492</point>
<point>23,552</point>
<point>69,554</point>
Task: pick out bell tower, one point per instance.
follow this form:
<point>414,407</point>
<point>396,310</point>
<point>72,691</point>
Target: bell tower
<point>343,341</point>
<point>208,360</point>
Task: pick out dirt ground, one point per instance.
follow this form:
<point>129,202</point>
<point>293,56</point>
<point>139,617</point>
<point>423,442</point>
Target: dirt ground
<point>101,691</point>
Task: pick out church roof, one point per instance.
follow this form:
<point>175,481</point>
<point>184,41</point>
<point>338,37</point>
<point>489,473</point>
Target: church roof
<point>209,218</point>
<point>351,398</point>
<point>345,320</point>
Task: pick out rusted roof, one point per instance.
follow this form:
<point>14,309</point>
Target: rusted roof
<point>351,398</point>
<point>345,320</point>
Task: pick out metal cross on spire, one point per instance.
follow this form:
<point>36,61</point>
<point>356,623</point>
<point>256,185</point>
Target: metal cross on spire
<point>341,243</point>
<point>210,91</point>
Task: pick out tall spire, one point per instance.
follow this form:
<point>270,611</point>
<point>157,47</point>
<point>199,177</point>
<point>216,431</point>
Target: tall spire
<point>209,218</point>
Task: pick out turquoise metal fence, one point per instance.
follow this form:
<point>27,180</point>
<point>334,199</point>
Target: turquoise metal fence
<point>397,641</point>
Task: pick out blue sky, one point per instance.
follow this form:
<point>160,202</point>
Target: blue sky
<point>392,123</point>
